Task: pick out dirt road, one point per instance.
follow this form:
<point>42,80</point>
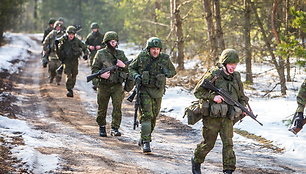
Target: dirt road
<point>69,124</point>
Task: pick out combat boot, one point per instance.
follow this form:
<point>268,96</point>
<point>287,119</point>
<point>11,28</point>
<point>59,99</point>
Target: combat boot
<point>196,167</point>
<point>228,171</point>
<point>102,131</point>
<point>69,93</point>
<point>51,80</point>
<point>146,147</point>
<point>115,132</point>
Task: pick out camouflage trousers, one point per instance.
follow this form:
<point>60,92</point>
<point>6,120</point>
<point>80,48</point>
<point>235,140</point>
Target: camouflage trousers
<point>71,71</point>
<point>213,126</point>
<point>105,92</point>
<point>53,64</point>
<point>149,111</point>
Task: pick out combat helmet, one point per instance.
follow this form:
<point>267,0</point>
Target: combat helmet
<point>154,42</point>
<point>229,56</point>
<point>110,35</point>
<point>57,24</point>
<point>71,29</point>
<point>52,21</point>
<point>94,26</point>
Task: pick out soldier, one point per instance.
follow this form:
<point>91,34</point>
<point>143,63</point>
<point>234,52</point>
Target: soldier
<point>94,42</point>
<point>220,120</point>
<point>50,48</point>
<point>151,68</point>
<point>49,29</point>
<point>70,49</point>
<point>110,83</point>
<point>62,21</point>
<point>299,119</point>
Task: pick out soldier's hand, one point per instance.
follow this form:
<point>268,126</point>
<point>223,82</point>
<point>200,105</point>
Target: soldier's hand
<point>218,99</point>
<point>85,57</point>
<point>98,47</point>
<point>105,75</point>
<point>92,47</point>
<point>120,64</point>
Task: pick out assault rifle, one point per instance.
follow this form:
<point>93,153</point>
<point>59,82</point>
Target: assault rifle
<point>228,99</point>
<point>111,68</point>
<point>297,124</point>
<point>137,102</point>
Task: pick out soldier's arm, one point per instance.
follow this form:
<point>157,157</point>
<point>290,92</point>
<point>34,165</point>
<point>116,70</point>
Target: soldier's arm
<point>301,98</point>
<point>47,41</point>
<point>97,63</point>
<point>133,67</point>
<point>84,48</point>
<point>171,69</point>
<point>243,99</point>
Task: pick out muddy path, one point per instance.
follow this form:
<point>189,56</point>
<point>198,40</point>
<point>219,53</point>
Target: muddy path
<point>69,124</point>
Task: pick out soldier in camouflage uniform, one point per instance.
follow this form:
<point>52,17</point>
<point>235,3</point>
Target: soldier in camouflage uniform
<point>220,120</point>
<point>298,119</point>
<point>49,29</point>
<point>151,68</point>
<point>50,49</point>
<point>110,83</point>
<point>70,49</point>
<point>94,42</point>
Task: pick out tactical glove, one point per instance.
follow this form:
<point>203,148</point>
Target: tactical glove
<point>137,78</point>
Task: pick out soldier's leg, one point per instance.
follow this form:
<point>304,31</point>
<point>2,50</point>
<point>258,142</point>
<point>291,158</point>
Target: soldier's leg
<point>146,117</point>
<point>51,70</point>
<point>156,108</point>
<point>58,76</point>
<point>228,154</point>
<point>211,127</point>
<point>117,97</point>
<point>103,97</point>
<point>72,71</point>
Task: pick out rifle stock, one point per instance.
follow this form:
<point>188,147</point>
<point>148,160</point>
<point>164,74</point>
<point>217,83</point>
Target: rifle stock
<point>228,99</point>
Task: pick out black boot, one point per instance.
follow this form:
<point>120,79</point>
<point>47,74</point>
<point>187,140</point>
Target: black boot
<point>228,171</point>
<point>102,131</point>
<point>69,93</point>
<point>196,167</point>
<point>146,147</point>
<point>115,132</point>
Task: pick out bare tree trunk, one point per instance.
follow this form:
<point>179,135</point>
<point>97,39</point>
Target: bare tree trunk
<point>286,33</point>
<point>179,36</point>
<point>280,70</point>
<point>247,41</point>
<point>172,30</point>
<point>219,31</point>
<point>210,30</point>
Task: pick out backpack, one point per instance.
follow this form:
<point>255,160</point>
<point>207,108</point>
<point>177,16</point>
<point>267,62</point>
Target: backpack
<point>196,111</point>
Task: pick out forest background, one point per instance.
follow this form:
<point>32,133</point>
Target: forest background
<point>261,31</point>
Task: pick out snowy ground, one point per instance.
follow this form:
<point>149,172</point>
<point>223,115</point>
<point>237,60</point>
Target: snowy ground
<point>271,110</point>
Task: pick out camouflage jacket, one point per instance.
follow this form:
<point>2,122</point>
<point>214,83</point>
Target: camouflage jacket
<point>71,50</point>
<point>232,84</point>
<point>301,98</point>
<point>94,39</point>
<point>153,71</point>
<point>105,58</point>
<point>46,32</point>
<point>49,44</point>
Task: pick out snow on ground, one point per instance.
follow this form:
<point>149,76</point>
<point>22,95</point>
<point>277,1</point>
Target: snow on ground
<point>19,45</point>
<point>271,110</point>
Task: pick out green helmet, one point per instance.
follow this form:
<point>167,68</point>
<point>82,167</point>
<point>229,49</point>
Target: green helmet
<point>71,29</point>
<point>94,26</point>
<point>57,24</point>
<point>229,56</point>
<point>154,42</point>
<point>52,21</point>
<point>110,35</point>
<point>61,19</point>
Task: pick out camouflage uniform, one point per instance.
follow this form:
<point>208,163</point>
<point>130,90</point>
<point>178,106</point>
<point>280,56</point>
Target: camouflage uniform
<point>50,48</point>
<point>153,72</point>
<point>215,124</point>
<point>111,87</point>
<point>70,51</point>
<point>94,39</point>
<point>301,98</point>
<point>48,30</point>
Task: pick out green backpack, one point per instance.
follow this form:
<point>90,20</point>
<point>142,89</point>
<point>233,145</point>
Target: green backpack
<point>196,111</point>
